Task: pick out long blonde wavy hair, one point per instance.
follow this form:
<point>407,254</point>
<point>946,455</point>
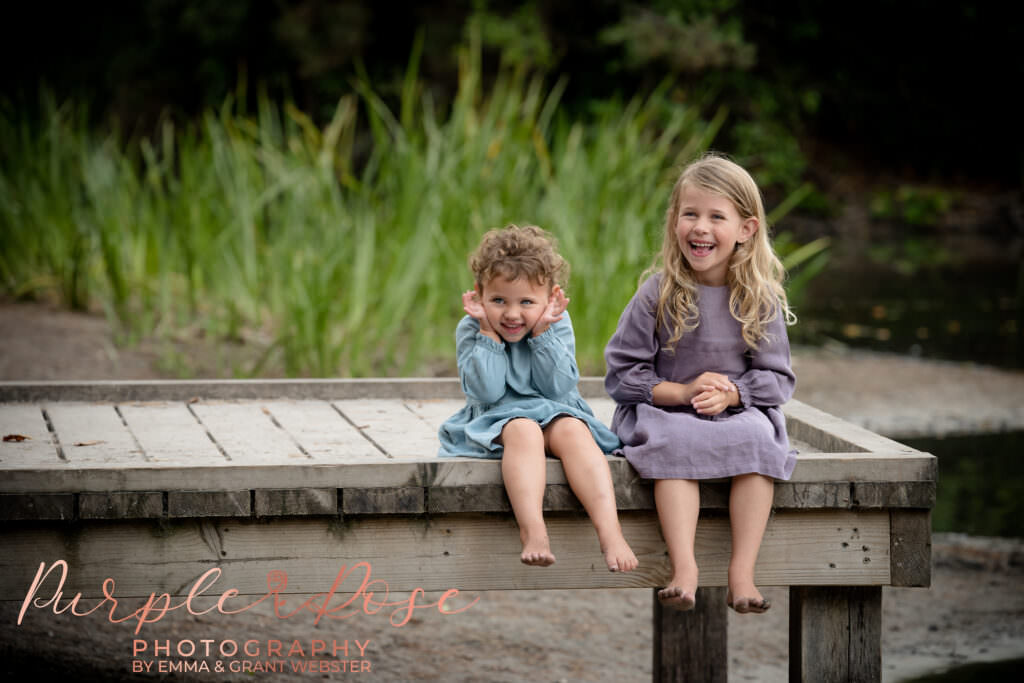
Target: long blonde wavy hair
<point>755,275</point>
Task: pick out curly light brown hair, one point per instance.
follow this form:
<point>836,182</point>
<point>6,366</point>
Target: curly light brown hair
<point>513,252</point>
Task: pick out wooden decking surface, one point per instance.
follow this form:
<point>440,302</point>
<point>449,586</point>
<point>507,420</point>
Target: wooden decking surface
<point>210,444</point>
<point>190,473</point>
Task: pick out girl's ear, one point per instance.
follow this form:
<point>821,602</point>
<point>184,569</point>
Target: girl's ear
<point>748,229</point>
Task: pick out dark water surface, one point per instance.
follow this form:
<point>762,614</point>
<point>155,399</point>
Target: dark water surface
<point>981,483</point>
<point>987,671</point>
<point>965,313</point>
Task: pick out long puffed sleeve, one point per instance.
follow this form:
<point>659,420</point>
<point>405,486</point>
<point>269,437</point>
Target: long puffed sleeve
<point>631,352</point>
<point>770,380</point>
<point>553,368</point>
<point>483,364</point>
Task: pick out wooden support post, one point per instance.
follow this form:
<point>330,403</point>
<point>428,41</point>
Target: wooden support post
<point>691,646</point>
<point>835,634</point>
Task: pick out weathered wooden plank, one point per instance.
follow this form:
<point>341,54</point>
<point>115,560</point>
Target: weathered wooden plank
<point>36,506</point>
<point>38,449</point>
<point>832,434</point>
<point>631,492</point>
<point>435,412</point>
<point>398,431</point>
<point>247,434</point>
<point>121,505</point>
<point>692,646</point>
<point>444,477</point>
<point>116,391</point>
<point>905,494</point>
<point>487,498</point>
<point>392,500</point>
<point>789,494</point>
<point>93,435</point>
<point>170,434</point>
<point>835,634</point>
<point>209,503</point>
<point>884,466</point>
<point>321,431</point>
<point>181,476</point>
<point>470,552</point>
<point>293,502</point>
<point>911,549</point>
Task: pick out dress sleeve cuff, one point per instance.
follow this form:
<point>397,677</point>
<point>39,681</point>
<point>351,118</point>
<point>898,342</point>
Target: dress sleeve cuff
<point>545,338</point>
<point>483,341</point>
<point>743,389</point>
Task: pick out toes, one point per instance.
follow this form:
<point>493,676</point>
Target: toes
<point>537,559</point>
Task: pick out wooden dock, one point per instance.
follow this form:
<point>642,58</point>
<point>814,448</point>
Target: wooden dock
<point>154,483</point>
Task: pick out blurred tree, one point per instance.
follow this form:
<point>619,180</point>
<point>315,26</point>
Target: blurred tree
<point>901,83</point>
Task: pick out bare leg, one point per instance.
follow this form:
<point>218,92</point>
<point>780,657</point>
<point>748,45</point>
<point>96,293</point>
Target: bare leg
<point>750,504</point>
<point>570,440</point>
<point>678,503</point>
<point>522,469</point>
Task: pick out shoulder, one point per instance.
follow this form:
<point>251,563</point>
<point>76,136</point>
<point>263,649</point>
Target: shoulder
<point>648,292</point>
<point>467,326</point>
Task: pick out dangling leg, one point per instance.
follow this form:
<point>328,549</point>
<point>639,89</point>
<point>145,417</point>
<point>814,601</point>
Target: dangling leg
<point>586,468</point>
<point>678,503</point>
<point>522,469</point>
<point>750,504</point>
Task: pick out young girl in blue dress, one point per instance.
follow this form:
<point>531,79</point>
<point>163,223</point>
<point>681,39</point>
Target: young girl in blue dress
<point>516,355</point>
<point>699,365</point>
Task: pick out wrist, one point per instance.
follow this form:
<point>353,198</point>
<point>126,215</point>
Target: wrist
<point>486,331</point>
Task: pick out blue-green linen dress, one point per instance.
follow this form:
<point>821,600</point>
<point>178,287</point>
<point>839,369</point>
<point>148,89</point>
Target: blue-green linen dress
<point>534,378</point>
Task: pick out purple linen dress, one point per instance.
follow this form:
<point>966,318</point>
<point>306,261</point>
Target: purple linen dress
<point>675,442</point>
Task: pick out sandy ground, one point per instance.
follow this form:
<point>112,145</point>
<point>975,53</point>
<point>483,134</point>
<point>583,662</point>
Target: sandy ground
<point>974,610</point>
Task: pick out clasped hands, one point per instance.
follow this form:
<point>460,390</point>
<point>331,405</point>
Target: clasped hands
<point>709,394</point>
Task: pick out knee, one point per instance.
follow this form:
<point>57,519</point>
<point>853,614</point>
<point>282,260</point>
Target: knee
<point>567,426</point>
<point>567,434</point>
<point>521,431</point>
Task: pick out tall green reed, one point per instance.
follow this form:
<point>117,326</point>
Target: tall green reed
<point>340,249</point>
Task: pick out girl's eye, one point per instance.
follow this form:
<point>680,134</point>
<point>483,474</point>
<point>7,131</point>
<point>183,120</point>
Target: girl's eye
<point>497,300</point>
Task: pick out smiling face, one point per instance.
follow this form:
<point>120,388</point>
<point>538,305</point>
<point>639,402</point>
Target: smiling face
<point>708,228</point>
<point>513,307</point>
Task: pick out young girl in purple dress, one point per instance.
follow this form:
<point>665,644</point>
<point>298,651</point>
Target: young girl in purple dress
<point>699,366</point>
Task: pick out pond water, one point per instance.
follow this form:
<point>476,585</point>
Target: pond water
<point>982,671</point>
<point>981,483</point>
<point>966,312</point>
<point>916,297</point>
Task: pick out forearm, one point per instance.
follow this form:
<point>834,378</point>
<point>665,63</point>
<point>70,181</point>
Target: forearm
<point>553,366</point>
<point>670,394</point>
<point>706,396</point>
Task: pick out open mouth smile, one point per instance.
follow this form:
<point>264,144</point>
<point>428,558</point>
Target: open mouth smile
<point>701,248</point>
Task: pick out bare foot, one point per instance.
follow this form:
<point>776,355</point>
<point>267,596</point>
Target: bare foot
<point>748,600</point>
<point>676,598</point>
<point>537,551</point>
<point>618,556</point>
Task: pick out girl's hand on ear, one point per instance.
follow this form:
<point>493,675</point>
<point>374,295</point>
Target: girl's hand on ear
<point>475,309</point>
<point>472,306</point>
<point>557,303</point>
